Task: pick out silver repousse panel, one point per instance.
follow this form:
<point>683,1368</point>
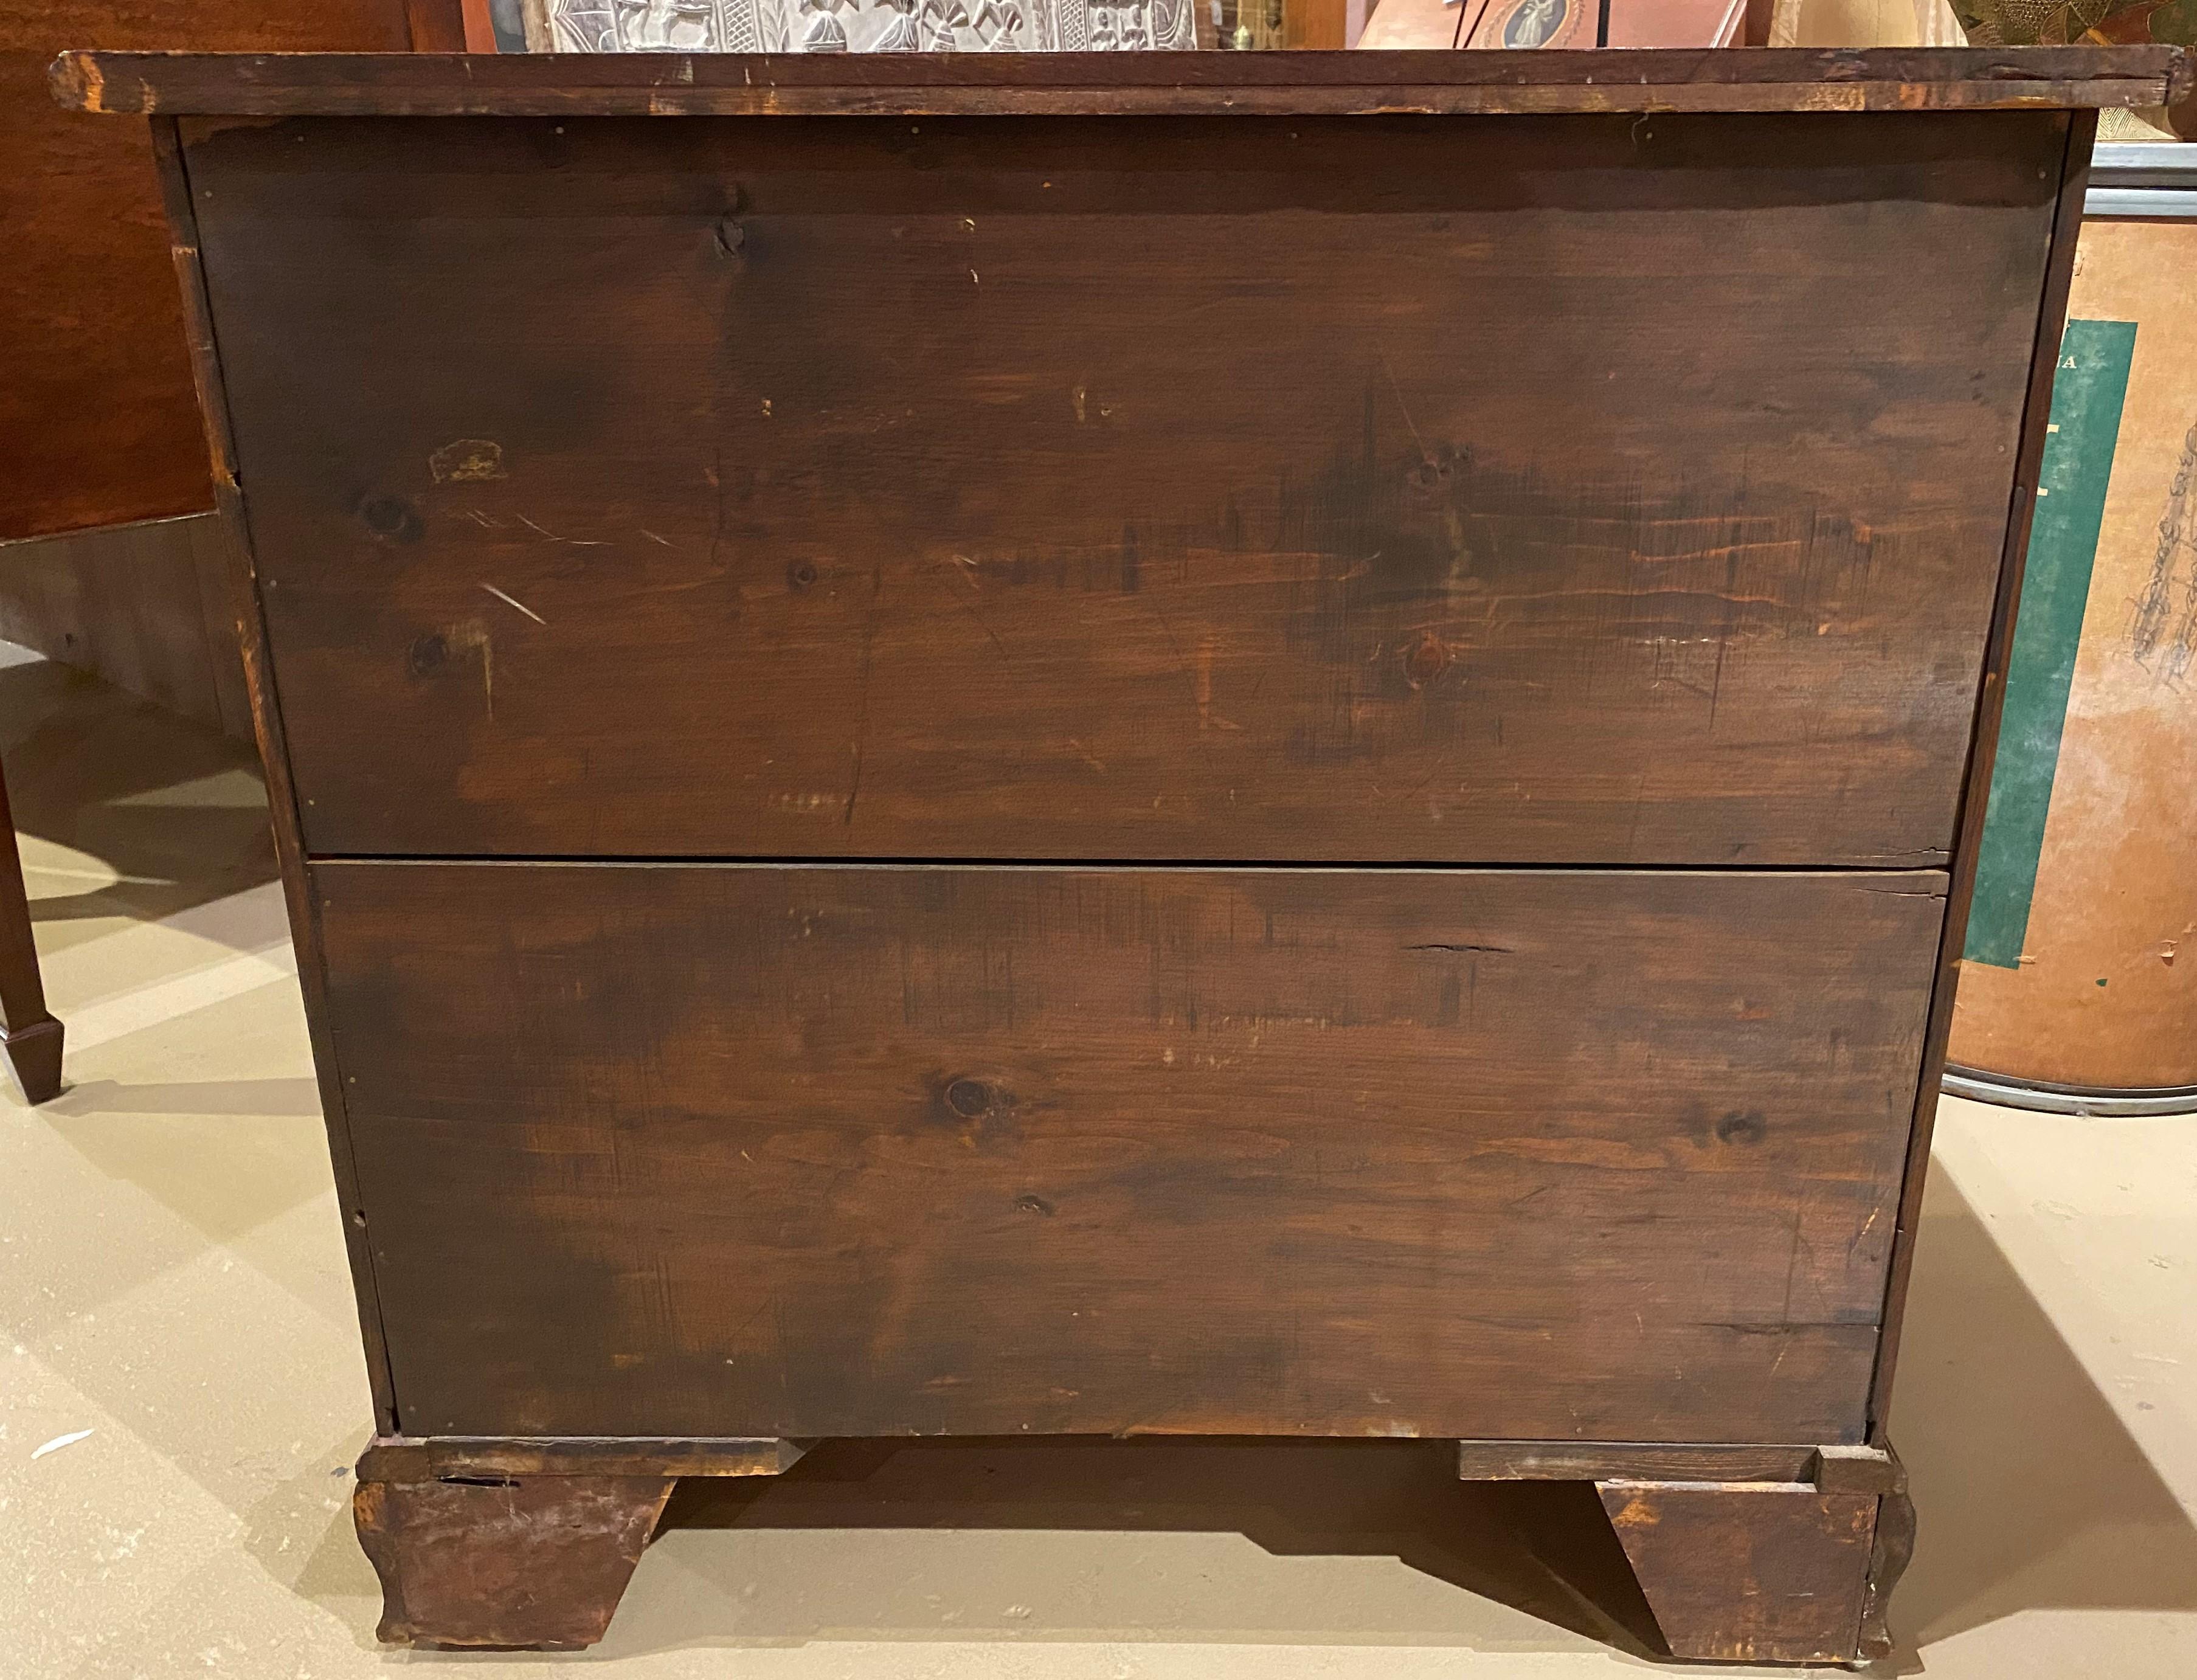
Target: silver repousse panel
<point>859,25</point>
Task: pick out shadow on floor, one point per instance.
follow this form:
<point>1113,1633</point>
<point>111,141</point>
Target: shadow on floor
<point>174,812</point>
<point>1545,1549</point>
<point>2029,1492</point>
<point>297,1099</point>
<point>2032,1495</point>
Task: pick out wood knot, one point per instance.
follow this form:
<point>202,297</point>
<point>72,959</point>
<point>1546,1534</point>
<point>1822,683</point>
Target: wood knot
<point>1427,660</point>
<point>978,1111</point>
<point>800,576</point>
<point>971,1098</point>
<point>1741,1126</point>
<point>426,656</point>
<point>392,518</point>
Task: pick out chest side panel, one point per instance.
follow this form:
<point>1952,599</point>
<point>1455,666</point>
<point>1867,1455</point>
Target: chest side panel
<point>853,1150</point>
<point>1570,490</point>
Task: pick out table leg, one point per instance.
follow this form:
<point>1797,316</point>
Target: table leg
<point>28,1031</point>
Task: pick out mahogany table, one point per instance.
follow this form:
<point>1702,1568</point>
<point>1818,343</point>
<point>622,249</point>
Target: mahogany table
<point>1226,744</point>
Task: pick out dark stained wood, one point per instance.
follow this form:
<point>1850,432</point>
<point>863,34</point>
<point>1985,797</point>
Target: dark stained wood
<point>212,543</point>
<point>534,1562</point>
<point>1762,1554</point>
<point>249,619</point>
<point>478,24</point>
<point>1983,736</point>
<point>1687,1597</point>
<point>95,402</point>
<point>951,494</point>
<point>436,26</point>
<point>1889,1553</point>
<point>1858,1470</point>
<point>96,407</point>
<point>397,1458</point>
<point>683,84</point>
<point>1039,498</point>
<point>1748,1572</point>
<point>1601,1461</point>
<point>29,1035</point>
<point>850,1150</point>
<point>1831,1470</point>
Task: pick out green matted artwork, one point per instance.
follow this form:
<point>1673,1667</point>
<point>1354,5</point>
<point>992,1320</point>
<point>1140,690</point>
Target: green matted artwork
<point>2088,391</point>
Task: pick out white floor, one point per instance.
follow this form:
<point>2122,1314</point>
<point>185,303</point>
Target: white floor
<point>182,1392</point>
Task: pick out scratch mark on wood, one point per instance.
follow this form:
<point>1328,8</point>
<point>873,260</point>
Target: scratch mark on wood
<point>1425,453</point>
<point>939,575</point>
<point>516,604</point>
<point>574,541</point>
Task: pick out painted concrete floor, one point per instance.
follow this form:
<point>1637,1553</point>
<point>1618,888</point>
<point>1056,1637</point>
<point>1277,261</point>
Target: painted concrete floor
<point>174,1308</point>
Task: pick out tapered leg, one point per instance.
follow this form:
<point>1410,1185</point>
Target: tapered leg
<point>533,1562</point>
<point>1751,1571</point>
<point>31,1036</point>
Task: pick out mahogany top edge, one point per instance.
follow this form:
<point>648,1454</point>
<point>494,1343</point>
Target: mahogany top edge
<point>248,84</point>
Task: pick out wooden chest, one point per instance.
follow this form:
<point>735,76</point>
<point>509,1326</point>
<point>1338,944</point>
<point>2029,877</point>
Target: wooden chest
<point>1239,745</point>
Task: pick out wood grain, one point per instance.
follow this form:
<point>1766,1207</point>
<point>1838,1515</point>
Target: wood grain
<point>1749,1573</point>
<point>1829,1470</point>
<point>398,1458</point>
<point>1603,1461</point>
<point>1068,83</point>
<point>1011,489</point>
<point>95,402</point>
<point>668,1150</point>
<point>535,1562</point>
<point>1890,1552</point>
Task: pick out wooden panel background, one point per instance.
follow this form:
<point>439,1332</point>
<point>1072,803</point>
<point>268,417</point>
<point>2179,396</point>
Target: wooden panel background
<point>1504,490</point>
<point>96,408</point>
<point>844,1151</point>
<point>148,607</point>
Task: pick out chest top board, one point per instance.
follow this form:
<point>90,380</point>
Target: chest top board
<point>1237,744</point>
